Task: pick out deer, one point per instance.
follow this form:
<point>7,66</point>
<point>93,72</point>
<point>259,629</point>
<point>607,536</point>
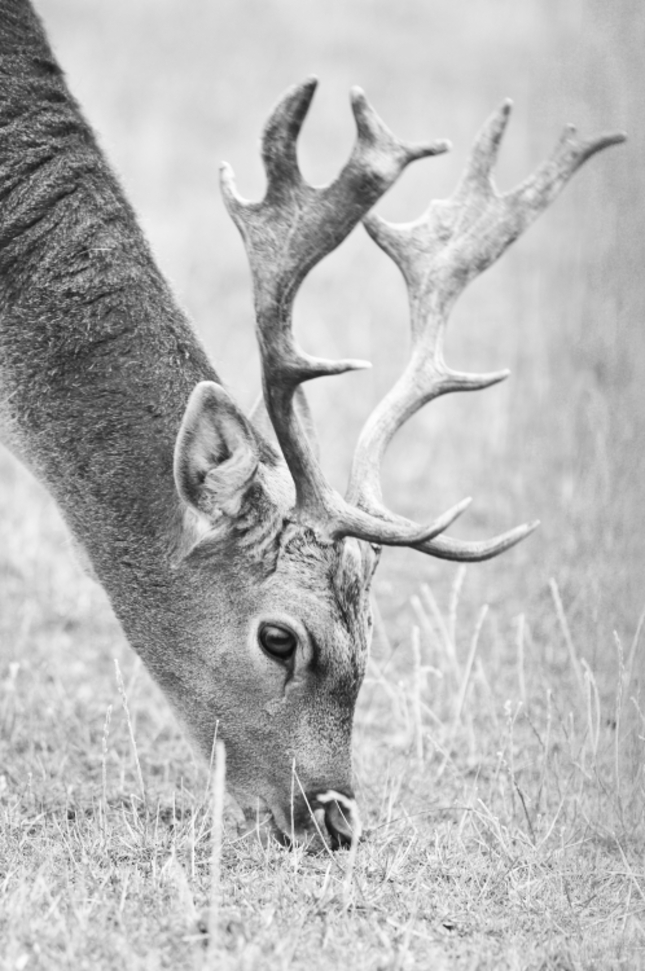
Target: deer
<point>237,573</point>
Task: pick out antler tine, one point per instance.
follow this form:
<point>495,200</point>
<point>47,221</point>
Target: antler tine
<point>285,235</point>
<point>538,191</point>
<point>484,152</point>
<point>279,152</point>
<point>438,255</point>
<point>449,548</point>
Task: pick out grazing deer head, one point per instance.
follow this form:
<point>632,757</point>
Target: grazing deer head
<point>237,572</point>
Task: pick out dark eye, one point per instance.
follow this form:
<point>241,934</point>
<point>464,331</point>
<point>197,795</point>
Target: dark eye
<point>278,642</point>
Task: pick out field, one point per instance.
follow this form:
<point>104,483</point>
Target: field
<point>500,738</point>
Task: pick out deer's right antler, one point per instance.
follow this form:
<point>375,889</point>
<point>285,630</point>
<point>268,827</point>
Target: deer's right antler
<point>296,225</point>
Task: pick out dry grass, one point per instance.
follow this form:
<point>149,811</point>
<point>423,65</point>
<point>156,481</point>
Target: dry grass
<point>502,789</point>
<point>499,754</point>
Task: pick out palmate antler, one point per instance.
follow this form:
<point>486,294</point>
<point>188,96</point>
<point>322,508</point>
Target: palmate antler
<point>296,225</point>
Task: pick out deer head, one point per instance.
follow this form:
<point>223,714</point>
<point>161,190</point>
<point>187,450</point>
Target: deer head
<point>294,559</point>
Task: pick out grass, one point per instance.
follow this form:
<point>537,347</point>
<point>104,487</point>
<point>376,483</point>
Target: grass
<point>499,754</point>
<point>502,792</point>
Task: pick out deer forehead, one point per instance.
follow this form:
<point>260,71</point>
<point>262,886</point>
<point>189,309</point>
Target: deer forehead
<point>342,569</point>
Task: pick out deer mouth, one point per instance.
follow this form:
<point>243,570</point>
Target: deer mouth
<point>330,821</point>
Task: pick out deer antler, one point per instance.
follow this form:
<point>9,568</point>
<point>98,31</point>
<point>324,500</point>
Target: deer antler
<point>285,235</point>
<point>296,225</point>
<point>438,256</point>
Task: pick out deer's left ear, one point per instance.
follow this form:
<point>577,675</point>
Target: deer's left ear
<point>216,452</point>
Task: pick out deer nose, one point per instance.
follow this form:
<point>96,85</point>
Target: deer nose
<point>342,820</point>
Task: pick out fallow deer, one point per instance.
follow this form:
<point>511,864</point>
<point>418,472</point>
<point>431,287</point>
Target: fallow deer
<point>237,573</point>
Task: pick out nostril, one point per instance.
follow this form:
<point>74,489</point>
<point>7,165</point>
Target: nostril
<point>341,818</point>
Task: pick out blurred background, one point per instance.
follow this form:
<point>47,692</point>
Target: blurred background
<point>174,86</point>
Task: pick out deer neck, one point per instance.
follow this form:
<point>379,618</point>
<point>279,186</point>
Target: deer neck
<point>96,360</point>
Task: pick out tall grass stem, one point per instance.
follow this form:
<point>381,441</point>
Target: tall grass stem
<point>126,708</point>
<point>104,753</point>
<point>219,785</point>
<point>566,633</point>
<point>463,689</point>
<point>417,687</point>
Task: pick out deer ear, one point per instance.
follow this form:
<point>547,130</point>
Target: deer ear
<point>216,453</point>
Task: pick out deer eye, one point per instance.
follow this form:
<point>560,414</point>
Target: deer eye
<point>278,642</point>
